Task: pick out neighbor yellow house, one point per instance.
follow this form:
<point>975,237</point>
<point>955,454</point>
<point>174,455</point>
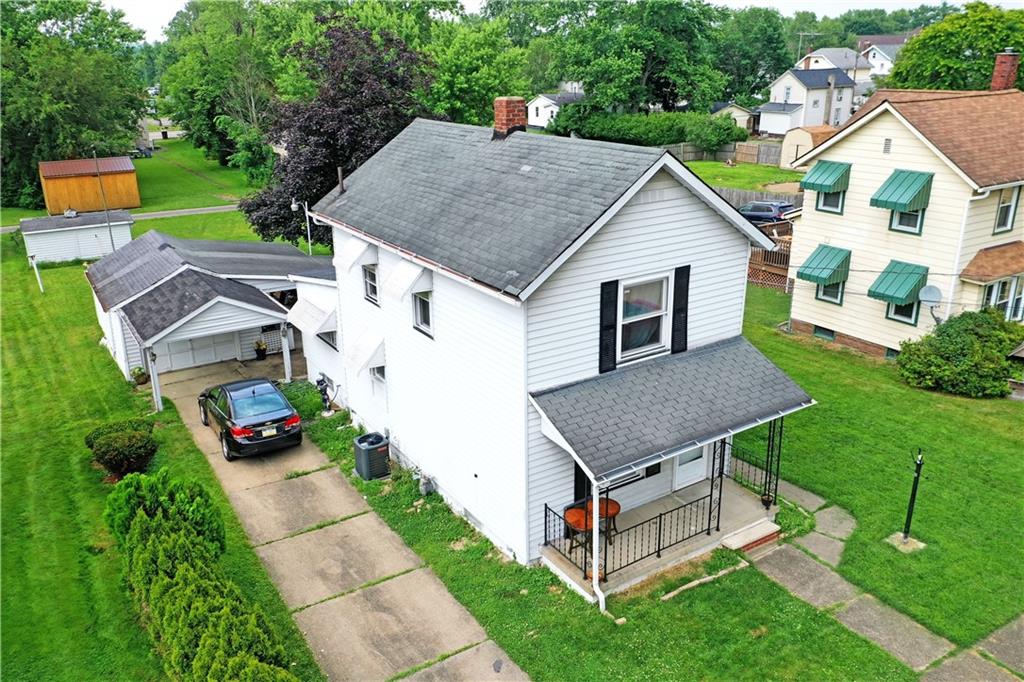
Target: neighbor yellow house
<point>910,217</point>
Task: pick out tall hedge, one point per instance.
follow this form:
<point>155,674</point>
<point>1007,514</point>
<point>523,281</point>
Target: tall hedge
<point>965,355</point>
<point>649,130</point>
<point>172,537</point>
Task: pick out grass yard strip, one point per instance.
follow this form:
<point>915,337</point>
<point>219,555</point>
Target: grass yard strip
<point>180,176</point>
<point>752,176</point>
<point>443,657</point>
<point>230,226</point>
<point>729,629</point>
<point>65,613</point>
<point>855,449</point>
<point>12,215</point>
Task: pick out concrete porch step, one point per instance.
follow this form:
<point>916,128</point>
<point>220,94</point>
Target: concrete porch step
<point>760,533</point>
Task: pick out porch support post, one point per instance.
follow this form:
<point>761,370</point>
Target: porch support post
<point>721,487</point>
<point>778,458</point>
<point>286,353</point>
<point>154,376</point>
<point>595,574</point>
<point>767,488</point>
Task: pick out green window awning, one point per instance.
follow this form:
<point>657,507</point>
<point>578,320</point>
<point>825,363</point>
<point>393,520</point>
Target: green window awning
<point>899,283</point>
<point>826,265</point>
<point>827,176</point>
<point>904,191</point>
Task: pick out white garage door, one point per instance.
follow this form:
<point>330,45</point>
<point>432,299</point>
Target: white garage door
<point>191,352</point>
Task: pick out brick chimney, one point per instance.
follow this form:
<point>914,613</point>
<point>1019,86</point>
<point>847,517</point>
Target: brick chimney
<point>1004,74</point>
<point>509,116</point>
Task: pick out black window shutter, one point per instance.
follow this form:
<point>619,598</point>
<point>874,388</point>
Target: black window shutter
<point>680,308</point>
<point>609,318</point>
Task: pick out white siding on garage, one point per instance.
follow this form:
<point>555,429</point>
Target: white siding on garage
<point>663,227</point>
<point>223,316</point>
<point>268,284</point>
<point>130,346</point>
<point>86,243</point>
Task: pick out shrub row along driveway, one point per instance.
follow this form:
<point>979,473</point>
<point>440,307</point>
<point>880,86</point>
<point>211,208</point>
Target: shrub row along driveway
<point>366,604</point>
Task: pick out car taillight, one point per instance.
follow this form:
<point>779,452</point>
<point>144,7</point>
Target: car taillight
<point>241,432</point>
<point>292,422</point>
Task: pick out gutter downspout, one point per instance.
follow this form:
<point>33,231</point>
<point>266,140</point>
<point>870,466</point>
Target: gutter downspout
<point>595,574</point>
<point>959,249</point>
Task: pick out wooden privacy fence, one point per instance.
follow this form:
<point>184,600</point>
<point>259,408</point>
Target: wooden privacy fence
<point>744,152</point>
<point>771,268</point>
<point>738,197</point>
<point>750,152</point>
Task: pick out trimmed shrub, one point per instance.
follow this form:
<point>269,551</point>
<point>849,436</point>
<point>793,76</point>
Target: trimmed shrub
<point>965,355</point>
<point>143,425</point>
<point>186,505</point>
<point>649,130</point>
<point>171,537</point>
<point>124,452</point>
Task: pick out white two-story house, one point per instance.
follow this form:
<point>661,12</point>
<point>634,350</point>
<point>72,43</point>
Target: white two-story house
<point>802,98</point>
<point>550,330</point>
<point>921,189</point>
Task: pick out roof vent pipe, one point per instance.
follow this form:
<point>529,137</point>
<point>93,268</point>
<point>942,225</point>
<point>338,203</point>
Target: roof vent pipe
<point>341,180</point>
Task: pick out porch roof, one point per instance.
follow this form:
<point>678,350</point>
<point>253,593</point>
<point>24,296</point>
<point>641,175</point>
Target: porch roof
<point>627,419</point>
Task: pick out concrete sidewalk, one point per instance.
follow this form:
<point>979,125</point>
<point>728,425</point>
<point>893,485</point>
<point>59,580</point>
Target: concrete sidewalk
<point>365,602</point>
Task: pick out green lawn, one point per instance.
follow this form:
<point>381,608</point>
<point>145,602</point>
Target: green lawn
<point>11,215</point>
<point>740,627</point>
<point>211,226</point>
<point>741,176</point>
<point>65,614</point>
<point>179,176</point>
<point>855,449</point>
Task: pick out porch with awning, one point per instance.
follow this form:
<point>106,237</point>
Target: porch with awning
<point>618,425</point>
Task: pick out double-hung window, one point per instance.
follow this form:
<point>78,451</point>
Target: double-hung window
<point>906,313</point>
<point>422,312</point>
<point>831,293</point>
<point>377,374</point>
<point>1006,209</point>
<point>907,221</point>
<point>1006,295</point>
<point>831,202</point>
<point>370,291</point>
<point>643,320</point>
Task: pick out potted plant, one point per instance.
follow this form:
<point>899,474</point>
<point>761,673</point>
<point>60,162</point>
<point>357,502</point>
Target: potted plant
<point>260,346</point>
<point>139,375</point>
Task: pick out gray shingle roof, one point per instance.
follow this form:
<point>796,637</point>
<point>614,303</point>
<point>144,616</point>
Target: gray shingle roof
<point>185,293</point>
<point>842,57</point>
<point>498,211</point>
<point>778,107</point>
<point>561,98</point>
<point>59,222</point>
<point>816,79</point>
<point>144,261</point>
<point>326,272</point>
<point>645,411</point>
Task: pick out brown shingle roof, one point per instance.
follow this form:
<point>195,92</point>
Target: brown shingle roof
<point>995,262</point>
<point>820,133</point>
<point>71,167</point>
<point>980,131</point>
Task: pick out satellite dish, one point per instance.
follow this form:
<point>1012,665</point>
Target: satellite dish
<point>930,295</point>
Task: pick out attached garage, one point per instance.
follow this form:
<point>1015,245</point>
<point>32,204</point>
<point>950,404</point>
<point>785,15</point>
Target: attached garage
<point>167,304</point>
<point>84,236</point>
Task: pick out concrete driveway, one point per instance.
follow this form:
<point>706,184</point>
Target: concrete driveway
<point>365,602</point>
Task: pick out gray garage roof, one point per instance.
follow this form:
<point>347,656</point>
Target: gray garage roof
<point>83,220</point>
<point>185,293</point>
<point>815,79</point>
<point>498,211</point>
<point>643,413</point>
<point>778,107</point>
<point>143,262</point>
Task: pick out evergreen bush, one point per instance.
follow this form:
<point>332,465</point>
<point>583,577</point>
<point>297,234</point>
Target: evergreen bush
<point>124,452</point>
<point>143,425</point>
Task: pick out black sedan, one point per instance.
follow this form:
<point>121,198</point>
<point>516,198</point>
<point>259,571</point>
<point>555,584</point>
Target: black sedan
<point>759,212</point>
<point>252,417</point>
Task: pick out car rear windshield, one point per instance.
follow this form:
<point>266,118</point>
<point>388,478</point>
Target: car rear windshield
<point>251,405</point>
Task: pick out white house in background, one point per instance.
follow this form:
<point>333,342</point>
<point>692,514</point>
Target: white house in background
<point>850,62</point>
<point>922,188</point>
<point>73,236</point>
<point>807,97</point>
<point>538,321</point>
<point>882,57</point>
<point>542,109</point>
<point>166,303</point>
<point>315,315</point>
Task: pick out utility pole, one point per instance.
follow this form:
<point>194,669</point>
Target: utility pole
<point>103,195</point>
<point>800,42</point>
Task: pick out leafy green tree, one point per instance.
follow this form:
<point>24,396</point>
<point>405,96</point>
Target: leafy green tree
<point>540,68</point>
<point>958,53</point>
<point>472,63</point>
<point>69,88</point>
<point>631,55</point>
<point>751,51</point>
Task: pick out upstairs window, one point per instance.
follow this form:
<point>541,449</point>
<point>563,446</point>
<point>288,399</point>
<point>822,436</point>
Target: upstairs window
<point>422,312</point>
<point>907,221</point>
<point>643,326</point>
<point>377,374</point>
<point>830,293</point>
<point>786,93</point>
<point>1006,209</point>
<point>905,313</point>
<point>831,202</point>
<point>370,291</point>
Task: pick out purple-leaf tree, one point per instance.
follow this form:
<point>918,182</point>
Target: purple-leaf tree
<point>366,83</point>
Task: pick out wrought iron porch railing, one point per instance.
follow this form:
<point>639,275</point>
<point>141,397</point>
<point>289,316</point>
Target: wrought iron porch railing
<point>758,472</point>
<point>571,543</point>
<point>655,535</point>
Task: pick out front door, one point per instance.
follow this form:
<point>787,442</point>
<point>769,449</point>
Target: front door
<point>690,467</point>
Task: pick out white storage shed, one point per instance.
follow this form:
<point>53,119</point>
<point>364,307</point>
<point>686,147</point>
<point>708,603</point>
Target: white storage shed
<point>81,236</point>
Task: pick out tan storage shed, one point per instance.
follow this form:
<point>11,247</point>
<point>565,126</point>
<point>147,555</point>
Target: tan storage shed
<point>75,184</point>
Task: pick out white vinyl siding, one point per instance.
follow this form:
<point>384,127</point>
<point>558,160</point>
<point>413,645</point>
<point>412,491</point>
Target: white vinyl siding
<point>220,317</point>
<point>864,230</point>
<point>662,227</point>
<point>86,243</point>
<point>321,358</point>
<point>978,234</point>
<point>455,405</point>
